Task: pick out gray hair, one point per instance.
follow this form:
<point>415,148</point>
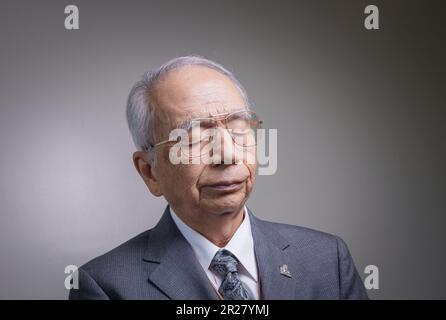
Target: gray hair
<point>140,108</point>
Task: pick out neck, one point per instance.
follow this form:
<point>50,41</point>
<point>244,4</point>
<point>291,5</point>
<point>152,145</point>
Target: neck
<point>217,228</point>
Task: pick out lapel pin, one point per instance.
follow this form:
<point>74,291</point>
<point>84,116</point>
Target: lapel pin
<point>284,271</point>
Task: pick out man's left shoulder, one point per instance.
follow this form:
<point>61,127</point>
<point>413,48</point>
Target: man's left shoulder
<point>310,245</point>
<point>305,237</point>
<point>323,258</point>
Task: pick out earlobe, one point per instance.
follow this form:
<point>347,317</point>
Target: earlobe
<point>145,170</point>
<point>154,188</point>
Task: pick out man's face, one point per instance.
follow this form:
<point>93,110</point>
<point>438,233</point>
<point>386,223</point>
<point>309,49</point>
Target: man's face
<point>193,92</point>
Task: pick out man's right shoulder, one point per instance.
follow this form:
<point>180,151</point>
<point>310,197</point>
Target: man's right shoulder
<point>123,257</point>
<point>115,274</point>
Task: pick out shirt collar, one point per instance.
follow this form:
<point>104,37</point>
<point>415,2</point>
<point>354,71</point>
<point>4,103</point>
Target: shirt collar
<point>241,244</point>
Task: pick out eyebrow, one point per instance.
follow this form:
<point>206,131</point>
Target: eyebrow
<point>186,124</point>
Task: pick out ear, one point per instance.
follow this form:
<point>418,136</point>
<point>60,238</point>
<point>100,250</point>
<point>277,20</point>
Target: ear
<point>146,171</point>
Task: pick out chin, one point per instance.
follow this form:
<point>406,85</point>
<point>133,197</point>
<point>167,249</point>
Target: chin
<point>224,204</point>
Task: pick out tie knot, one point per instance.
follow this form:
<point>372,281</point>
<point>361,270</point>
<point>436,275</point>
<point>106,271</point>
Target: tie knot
<point>224,262</point>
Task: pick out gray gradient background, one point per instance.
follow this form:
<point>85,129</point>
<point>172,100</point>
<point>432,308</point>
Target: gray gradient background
<point>360,117</point>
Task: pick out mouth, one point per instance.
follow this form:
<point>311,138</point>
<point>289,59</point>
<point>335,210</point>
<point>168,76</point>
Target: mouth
<point>224,186</point>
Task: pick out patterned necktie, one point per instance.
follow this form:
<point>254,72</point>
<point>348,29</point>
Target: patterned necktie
<point>225,264</point>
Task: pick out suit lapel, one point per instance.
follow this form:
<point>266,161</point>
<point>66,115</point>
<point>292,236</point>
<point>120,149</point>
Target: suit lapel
<point>271,254</point>
<point>174,269</point>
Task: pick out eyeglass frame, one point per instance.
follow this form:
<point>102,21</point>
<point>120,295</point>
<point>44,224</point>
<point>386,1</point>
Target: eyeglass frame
<point>225,116</point>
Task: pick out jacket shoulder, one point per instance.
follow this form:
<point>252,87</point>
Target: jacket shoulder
<point>324,258</point>
<point>303,236</point>
<point>119,258</point>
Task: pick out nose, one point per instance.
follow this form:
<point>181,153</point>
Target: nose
<point>225,152</point>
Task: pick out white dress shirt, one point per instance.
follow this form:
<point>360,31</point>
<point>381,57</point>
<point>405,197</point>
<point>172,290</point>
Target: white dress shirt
<point>241,245</point>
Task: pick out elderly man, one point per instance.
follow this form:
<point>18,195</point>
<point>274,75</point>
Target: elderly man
<point>208,244</point>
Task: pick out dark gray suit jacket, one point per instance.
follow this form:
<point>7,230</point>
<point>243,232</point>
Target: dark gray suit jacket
<point>160,264</point>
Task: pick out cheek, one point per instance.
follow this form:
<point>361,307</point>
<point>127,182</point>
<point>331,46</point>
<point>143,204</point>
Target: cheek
<point>181,179</point>
<point>251,165</point>
<point>252,170</point>
<point>190,173</point>
<point>252,178</point>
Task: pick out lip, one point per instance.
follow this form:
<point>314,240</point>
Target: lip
<point>224,186</point>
